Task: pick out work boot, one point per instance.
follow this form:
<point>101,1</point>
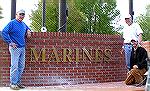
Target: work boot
<point>21,86</point>
<point>14,87</point>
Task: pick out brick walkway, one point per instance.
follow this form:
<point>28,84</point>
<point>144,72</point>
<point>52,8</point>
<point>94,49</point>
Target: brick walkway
<point>111,86</point>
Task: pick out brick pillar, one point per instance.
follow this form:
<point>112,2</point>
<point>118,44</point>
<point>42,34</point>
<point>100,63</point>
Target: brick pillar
<point>146,45</point>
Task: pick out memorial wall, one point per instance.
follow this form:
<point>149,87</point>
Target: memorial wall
<point>54,58</point>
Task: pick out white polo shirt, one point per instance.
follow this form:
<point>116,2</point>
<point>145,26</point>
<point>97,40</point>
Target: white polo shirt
<point>131,32</point>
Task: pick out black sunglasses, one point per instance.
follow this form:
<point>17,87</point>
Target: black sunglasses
<point>22,14</point>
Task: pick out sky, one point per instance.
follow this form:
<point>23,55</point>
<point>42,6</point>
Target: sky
<point>27,5</point>
<point>139,7</point>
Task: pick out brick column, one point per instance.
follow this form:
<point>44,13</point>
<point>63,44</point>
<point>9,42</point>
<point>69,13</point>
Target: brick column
<point>146,45</point>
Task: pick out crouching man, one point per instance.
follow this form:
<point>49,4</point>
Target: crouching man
<point>138,64</point>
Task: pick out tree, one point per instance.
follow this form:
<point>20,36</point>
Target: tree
<point>51,16</point>
<point>76,21</point>
<point>85,16</point>
<point>144,21</point>
<point>0,12</point>
<point>99,15</point>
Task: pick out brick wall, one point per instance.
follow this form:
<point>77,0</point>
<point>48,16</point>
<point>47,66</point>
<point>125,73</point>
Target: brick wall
<point>68,58</point>
<point>146,45</point>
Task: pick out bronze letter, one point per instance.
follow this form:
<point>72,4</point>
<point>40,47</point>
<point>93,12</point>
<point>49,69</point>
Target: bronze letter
<point>65,55</point>
<point>107,55</point>
<point>98,55</point>
<point>56,55</point>
<point>77,55</point>
<point>87,54</point>
<point>36,55</point>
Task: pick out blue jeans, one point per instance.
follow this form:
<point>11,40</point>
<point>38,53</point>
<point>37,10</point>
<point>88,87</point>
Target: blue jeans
<point>127,50</point>
<point>17,64</point>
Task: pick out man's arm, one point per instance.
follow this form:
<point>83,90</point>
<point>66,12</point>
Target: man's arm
<point>6,32</point>
<point>28,33</point>
<point>6,35</point>
<point>142,63</point>
<point>140,38</point>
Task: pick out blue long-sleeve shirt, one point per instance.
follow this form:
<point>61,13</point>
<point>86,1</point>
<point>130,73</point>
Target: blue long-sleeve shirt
<point>15,32</point>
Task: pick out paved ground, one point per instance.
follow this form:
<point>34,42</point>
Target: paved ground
<point>112,86</point>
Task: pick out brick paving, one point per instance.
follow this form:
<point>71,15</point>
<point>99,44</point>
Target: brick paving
<point>110,86</point>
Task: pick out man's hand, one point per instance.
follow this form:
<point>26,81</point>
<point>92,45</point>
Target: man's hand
<point>135,67</point>
<point>28,34</point>
<point>122,51</point>
<point>140,43</point>
<point>13,45</point>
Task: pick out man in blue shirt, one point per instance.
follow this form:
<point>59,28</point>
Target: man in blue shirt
<point>15,33</point>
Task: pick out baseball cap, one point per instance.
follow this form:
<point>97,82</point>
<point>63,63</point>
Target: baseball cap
<point>133,40</point>
<point>21,11</point>
<point>128,16</point>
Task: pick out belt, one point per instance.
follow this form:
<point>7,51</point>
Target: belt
<point>127,43</point>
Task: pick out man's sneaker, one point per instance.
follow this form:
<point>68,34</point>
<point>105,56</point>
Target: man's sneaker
<point>14,87</point>
<point>21,86</point>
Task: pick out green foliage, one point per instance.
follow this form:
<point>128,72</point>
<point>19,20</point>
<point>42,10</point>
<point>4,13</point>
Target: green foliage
<point>76,21</point>
<point>144,21</point>
<point>0,12</point>
<point>51,16</point>
<point>95,16</point>
<point>85,16</point>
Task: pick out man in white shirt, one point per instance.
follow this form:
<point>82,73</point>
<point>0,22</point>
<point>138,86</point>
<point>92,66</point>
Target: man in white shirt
<point>131,32</point>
